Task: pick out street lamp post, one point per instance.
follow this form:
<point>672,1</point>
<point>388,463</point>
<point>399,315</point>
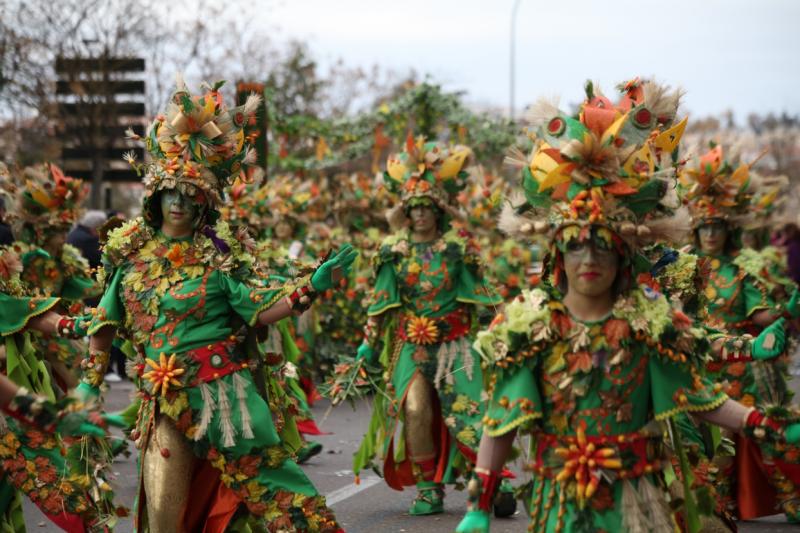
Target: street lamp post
<point>512,59</point>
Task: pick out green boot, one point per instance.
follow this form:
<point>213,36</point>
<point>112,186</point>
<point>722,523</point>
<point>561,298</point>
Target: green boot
<point>429,500</point>
<point>309,450</point>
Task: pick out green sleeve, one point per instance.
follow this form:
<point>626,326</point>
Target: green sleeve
<point>678,387</point>
<point>16,312</point>
<point>385,294</point>
<point>474,289</point>
<point>515,402</point>
<point>110,311</point>
<point>755,297</point>
<point>248,300</point>
<point>79,288</point>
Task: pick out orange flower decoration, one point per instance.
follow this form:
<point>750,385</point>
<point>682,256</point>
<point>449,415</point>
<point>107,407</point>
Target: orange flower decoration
<point>422,330</point>
<point>175,256</point>
<point>583,461</point>
<point>163,374</point>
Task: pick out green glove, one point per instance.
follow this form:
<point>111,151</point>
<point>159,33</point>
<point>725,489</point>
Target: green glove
<point>792,433</point>
<point>474,522</point>
<point>365,353</point>
<point>771,342</point>
<point>79,423</point>
<point>85,393</point>
<point>322,279</point>
<point>793,307</point>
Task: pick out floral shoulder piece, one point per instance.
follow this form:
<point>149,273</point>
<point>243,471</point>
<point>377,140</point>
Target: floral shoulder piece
<point>456,244</point>
<point>763,266</point>
<point>656,321</point>
<point>526,320</point>
<point>124,241</point>
<point>680,277</point>
<point>218,246</point>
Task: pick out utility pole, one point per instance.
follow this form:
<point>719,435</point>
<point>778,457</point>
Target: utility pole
<point>512,59</point>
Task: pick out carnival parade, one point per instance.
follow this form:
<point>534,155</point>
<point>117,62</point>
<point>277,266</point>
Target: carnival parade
<point>246,287</point>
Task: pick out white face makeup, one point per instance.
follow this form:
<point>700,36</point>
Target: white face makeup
<point>711,237</point>
<point>590,269</point>
<point>178,212</point>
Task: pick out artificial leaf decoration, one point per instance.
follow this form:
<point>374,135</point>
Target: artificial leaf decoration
<point>616,330</point>
<point>668,140</point>
<point>592,169</point>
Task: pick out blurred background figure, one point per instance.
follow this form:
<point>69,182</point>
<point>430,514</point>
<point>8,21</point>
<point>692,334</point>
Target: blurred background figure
<point>85,238</point>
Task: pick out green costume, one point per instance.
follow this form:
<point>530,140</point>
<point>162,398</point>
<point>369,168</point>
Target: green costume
<point>739,284</point>
<point>67,277</point>
<point>34,462</point>
<point>592,395</point>
<point>183,302</point>
<point>425,294</point>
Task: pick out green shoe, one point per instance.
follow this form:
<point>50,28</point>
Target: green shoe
<point>429,500</point>
<point>309,450</point>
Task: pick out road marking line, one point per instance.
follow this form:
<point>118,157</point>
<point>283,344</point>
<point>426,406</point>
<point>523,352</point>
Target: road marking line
<point>351,490</point>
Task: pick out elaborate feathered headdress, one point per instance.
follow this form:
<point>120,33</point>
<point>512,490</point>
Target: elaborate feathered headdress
<point>716,188</point>
<point>426,170</point>
<point>198,146</point>
<point>46,200</point>
<point>611,165</point>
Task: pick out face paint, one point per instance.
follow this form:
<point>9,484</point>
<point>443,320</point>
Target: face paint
<point>423,219</point>
<point>591,260</point>
<point>178,211</point>
<point>712,237</point>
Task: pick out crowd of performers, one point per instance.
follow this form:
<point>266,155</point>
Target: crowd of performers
<point>616,317</point>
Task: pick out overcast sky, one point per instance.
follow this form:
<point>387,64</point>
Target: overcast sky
<point>727,54</point>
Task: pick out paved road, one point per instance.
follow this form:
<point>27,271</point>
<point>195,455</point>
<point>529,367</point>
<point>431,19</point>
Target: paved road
<point>364,508</point>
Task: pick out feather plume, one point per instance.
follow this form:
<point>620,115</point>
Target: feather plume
<point>675,228</point>
<point>634,520</point>
<point>661,101</point>
<point>180,83</point>
<point>252,103</point>
<point>542,111</point>
<point>205,415</point>
<point>655,505</point>
<point>241,395</point>
<point>515,159</point>
<point>225,424</point>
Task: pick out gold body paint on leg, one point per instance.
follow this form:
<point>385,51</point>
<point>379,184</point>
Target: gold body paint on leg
<point>166,479</point>
<point>419,419</point>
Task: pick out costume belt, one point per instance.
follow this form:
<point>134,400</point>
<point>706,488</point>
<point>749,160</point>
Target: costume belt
<point>585,457</point>
<point>190,368</point>
<point>424,330</point>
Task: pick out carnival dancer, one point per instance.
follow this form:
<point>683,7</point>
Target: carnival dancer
<point>181,286</point>
<point>48,203</point>
<point>591,364</point>
<point>34,460</point>
<point>741,299</point>
<point>429,280</point>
